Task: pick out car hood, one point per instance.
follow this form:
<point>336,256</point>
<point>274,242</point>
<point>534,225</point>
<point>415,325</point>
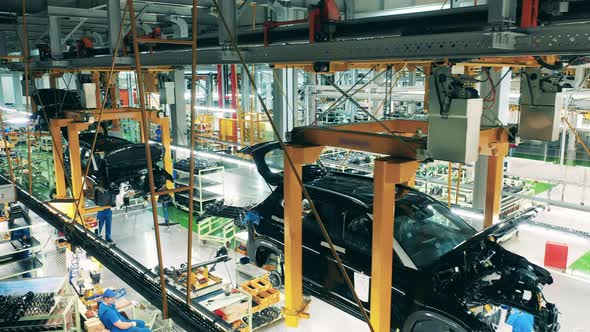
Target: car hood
<point>480,272</point>
<point>57,98</point>
<point>133,155</point>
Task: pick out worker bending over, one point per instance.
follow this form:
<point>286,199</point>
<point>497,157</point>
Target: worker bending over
<point>112,319</point>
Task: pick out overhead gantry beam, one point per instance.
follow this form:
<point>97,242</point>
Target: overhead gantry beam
<point>386,144</point>
<point>549,40</point>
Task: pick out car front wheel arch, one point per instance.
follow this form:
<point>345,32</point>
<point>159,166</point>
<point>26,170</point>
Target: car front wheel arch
<point>263,248</point>
<point>425,321</point>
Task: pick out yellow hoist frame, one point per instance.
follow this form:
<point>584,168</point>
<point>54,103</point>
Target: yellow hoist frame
<point>399,167</point>
<point>74,125</point>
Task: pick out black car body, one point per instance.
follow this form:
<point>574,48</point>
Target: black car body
<point>118,169</point>
<point>51,104</point>
<point>446,276</point>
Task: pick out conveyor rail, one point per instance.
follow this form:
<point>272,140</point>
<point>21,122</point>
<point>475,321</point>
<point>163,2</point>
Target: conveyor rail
<point>140,278</point>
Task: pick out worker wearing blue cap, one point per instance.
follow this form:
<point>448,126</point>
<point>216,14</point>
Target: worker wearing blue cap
<point>112,319</point>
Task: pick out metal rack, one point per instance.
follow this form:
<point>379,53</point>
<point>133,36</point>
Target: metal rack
<point>218,300</point>
<point>62,316</point>
<point>206,190</point>
<point>11,263</point>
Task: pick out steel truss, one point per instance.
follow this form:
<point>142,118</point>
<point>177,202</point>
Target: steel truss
<point>568,39</point>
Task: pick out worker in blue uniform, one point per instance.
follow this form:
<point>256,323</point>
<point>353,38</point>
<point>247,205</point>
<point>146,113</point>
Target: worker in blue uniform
<point>112,319</point>
<point>105,219</point>
<point>521,321</point>
<point>166,200</point>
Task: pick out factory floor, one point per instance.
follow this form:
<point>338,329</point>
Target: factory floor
<point>134,234</point>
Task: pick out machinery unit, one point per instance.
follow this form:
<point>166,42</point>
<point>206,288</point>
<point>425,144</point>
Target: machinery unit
<point>455,110</point>
<point>167,93</point>
<point>88,95</point>
<point>541,101</point>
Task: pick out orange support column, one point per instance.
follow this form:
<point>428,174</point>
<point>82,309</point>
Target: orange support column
<point>387,173</point>
<point>294,305</point>
<point>493,190</point>
<point>164,124</point>
<point>58,152</point>
<point>76,163</point>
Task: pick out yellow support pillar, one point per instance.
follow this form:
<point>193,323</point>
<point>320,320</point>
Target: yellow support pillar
<point>294,305</point>
<point>164,124</point>
<point>387,173</point>
<point>76,164</point>
<point>493,190</point>
<point>58,152</point>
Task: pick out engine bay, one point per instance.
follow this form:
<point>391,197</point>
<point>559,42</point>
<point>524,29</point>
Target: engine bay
<point>494,284</point>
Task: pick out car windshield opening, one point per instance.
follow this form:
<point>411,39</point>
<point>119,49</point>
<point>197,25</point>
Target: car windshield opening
<point>428,231</point>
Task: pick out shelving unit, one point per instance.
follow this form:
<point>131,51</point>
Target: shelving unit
<point>12,262</point>
<point>235,307</point>
<point>208,187</point>
<point>62,315</point>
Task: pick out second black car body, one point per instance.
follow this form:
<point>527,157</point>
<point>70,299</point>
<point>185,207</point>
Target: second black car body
<point>447,277</point>
<point>118,169</point>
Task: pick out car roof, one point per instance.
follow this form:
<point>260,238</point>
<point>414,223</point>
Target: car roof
<point>360,188</point>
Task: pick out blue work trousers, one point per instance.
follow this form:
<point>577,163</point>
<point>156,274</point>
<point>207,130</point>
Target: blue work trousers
<point>106,222</point>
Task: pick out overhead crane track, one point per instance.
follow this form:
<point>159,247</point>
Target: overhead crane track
<point>137,276</point>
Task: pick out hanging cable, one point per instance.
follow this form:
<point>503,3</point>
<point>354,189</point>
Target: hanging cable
<point>8,153</point>
<point>360,107</point>
<point>27,100</point>
<point>192,155</point>
<point>78,198</point>
<point>388,95</point>
<point>148,154</point>
<point>297,175</point>
<point>289,106</point>
<point>339,100</point>
<point>493,90</point>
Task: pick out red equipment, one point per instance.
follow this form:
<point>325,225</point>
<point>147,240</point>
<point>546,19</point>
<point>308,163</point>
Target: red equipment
<point>556,255</point>
<point>530,12</point>
<point>321,19</point>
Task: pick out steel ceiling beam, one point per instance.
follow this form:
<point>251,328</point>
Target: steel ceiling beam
<point>150,12</point>
<point>568,39</point>
<point>86,13</point>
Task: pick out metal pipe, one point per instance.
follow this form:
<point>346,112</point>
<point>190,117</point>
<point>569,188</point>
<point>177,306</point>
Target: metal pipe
<point>191,181</point>
<point>8,157</point>
<point>564,133</point>
<point>449,183</point>
<point>172,191</point>
<point>164,41</point>
<point>458,183</point>
<point>148,155</point>
<point>577,135</point>
<point>27,101</point>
